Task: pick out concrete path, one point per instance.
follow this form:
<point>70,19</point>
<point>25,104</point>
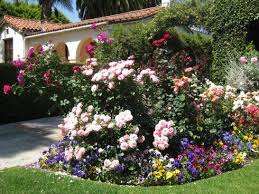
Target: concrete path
<point>22,143</point>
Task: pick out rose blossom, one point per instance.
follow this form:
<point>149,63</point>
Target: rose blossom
<point>254,60</point>
<point>103,36</point>
<point>93,26</point>
<point>188,69</point>
<point>68,154</point>
<point>79,152</point>
<point>18,63</point>
<point>243,60</point>
<point>20,77</point>
<point>94,88</point>
<point>30,52</point>
<point>7,89</point>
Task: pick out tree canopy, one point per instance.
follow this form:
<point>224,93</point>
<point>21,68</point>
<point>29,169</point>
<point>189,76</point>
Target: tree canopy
<point>92,8</point>
<point>29,11</point>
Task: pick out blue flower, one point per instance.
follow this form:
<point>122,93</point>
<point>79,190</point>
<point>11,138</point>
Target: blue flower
<point>249,145</point>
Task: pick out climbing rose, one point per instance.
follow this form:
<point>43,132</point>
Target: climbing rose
<point>7,89</point>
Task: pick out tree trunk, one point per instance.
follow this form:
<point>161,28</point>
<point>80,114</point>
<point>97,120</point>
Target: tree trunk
<point>46,9</point>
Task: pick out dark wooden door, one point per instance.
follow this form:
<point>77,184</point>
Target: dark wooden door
<point>8,51</point>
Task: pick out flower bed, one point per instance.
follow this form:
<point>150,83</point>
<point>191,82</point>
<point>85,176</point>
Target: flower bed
<point>143,124</point>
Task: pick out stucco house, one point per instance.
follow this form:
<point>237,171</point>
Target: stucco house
<point>17,35</point>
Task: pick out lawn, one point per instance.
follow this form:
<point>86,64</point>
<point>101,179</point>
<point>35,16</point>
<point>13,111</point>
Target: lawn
<point>26,181</point>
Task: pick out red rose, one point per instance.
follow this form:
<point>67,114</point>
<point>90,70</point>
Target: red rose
<point>76,69</point>
<point>155,43</point>
<point>7,89</point>
<point>47,76</point>
<point>197,67</point>
<point>167,36</point>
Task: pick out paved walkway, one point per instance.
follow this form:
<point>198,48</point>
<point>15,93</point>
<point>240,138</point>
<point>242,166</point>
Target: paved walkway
<point>22,143</point>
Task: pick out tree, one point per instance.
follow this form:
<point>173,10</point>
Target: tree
<point>29,11</point>
<point>93,8</point>
<point>47,7</point>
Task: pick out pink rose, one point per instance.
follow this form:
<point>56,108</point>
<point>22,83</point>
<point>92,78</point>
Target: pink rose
<point>30,53</point>
<point>132,144</point>
<point>20,77</point>
<point>81,133</point>
<point>68,154</point>
<point>188,69</point>
<point>30,67</point>
<point>243,60</point>
<point>90,49</point>
<point>18,63</point>
<point>7,89</point>
<point>93,26</point>
<point>124,146</point>
<point>254,60</point>
<point>103,37</point>
<point>79,152</point>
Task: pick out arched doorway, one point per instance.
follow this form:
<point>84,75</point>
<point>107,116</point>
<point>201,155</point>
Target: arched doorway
<point>81,54</point>
<point>253,33</point>
<point>62,51</point>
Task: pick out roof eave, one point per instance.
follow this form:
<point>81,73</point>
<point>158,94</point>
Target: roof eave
<point>62,30</point>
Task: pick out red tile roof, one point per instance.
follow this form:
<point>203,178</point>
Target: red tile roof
<point>29,24</point>
<point>37,26</point>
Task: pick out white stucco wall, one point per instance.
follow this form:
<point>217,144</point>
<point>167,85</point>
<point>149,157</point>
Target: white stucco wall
<point>18,42</point>
<point>70,38</point>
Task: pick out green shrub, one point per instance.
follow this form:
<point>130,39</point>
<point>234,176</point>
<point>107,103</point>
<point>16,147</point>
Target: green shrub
<point>133,40</point>
<point>228,22</point>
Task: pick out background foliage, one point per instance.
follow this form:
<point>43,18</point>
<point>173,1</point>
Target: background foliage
<point>29,11</point>
<point>228,22</point>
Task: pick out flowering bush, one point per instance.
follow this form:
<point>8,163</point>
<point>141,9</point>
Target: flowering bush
<point>153,124</point>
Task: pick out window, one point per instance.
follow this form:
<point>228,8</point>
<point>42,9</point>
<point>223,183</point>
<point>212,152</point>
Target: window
<point>8,50</point>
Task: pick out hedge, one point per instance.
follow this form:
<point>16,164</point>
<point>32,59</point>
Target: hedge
<point>17,108</point>
<point>228,22</point>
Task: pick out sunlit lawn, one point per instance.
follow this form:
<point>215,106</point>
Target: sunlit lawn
<point>28,181</point>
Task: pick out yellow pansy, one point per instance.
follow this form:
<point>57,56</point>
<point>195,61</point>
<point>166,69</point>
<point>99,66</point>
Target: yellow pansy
<point>158,174</point>
<point>177,172</point>
<point>250,137</point>
<point>221,143</point>
<point>169,175</point>
<point>240,158</point>
<point>53,152</point>
<point>246,137</point>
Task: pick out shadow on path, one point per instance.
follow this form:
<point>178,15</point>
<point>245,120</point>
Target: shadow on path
<point>26,140</point>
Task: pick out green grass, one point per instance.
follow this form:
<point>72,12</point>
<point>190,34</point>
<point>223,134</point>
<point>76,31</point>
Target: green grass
<point>28,181</point>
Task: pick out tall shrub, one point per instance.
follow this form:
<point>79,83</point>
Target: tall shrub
<point>228,22</point>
